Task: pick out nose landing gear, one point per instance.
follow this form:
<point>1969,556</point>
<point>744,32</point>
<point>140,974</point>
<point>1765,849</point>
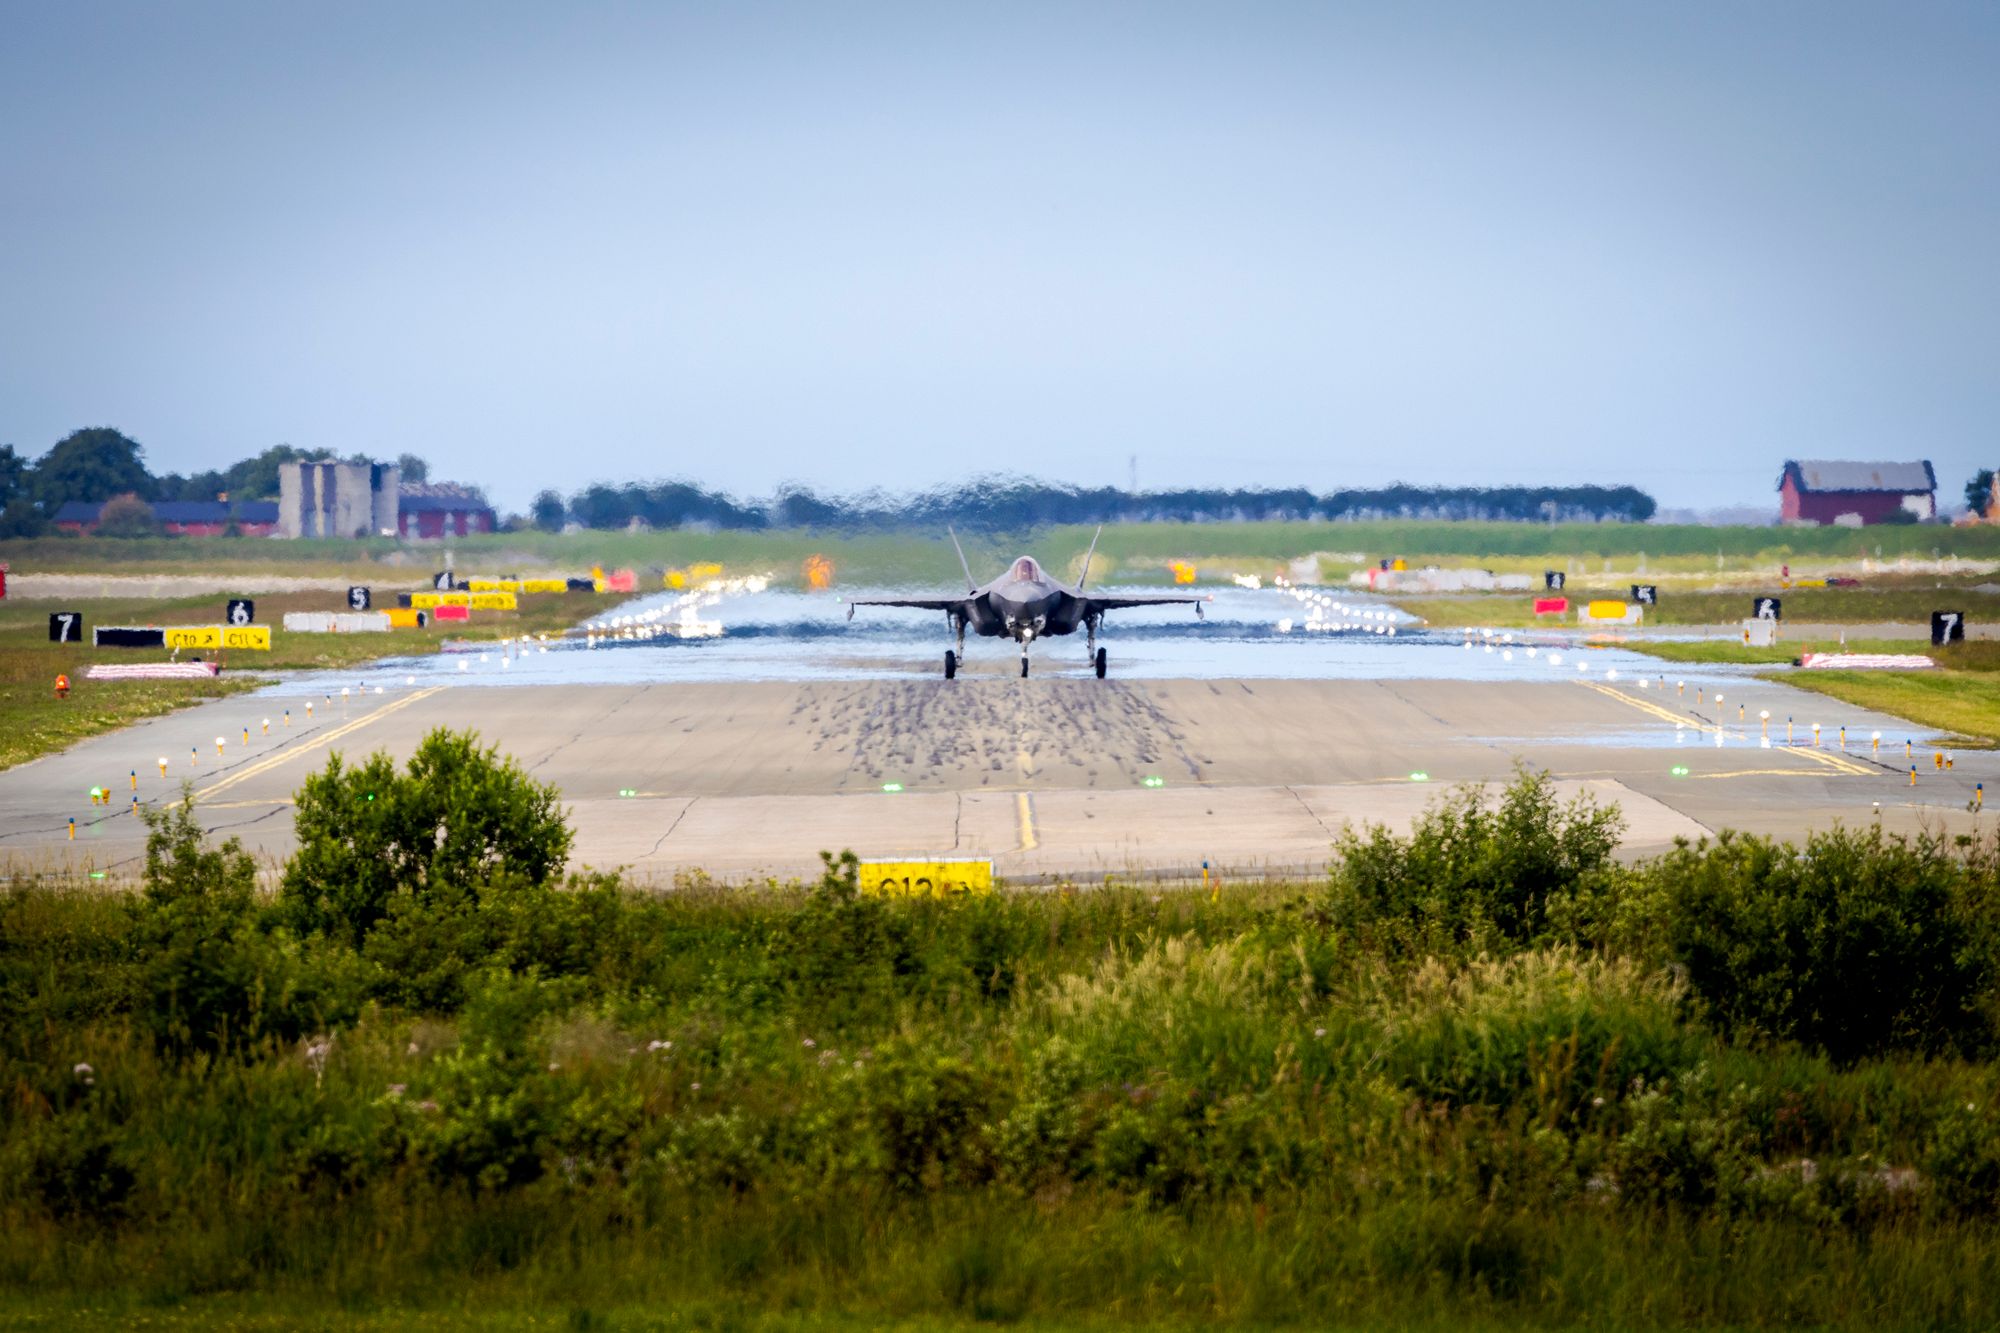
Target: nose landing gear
<point>950,664</point>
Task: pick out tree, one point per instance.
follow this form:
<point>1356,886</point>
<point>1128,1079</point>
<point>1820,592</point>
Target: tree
<point>91,465</point>
<point>548,511</point>
<point>15,474</point>
<point>257,478</point>
<point>1979,492</point>
<point>126,516</point>
<point>412,467</point>
<point>455,820</point>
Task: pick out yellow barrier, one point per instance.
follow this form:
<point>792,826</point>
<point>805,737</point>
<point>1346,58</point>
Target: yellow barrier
<point>430,601</point>
<point>255,637</point>
<point>702,571</point>
<point>1605,610</point>
<point>406,617</point>
<point>494,601</point>
<point>544,585</point>
<point>494,585</point>
<point>926,879</point>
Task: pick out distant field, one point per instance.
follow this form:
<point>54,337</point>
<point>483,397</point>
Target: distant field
<point>1138,550</point>
<point>33,721</point>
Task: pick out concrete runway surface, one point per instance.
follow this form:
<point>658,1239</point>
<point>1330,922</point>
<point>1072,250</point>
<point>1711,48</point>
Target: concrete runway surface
<point>1046,776</point>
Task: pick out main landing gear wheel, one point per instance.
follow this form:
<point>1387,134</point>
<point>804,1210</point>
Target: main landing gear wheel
<point>1024,666</point>
<point>950,664</point>
<point>1100,664</point>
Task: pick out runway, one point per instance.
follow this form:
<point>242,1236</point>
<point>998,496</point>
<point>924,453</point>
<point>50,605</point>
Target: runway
<point>1052,778</point>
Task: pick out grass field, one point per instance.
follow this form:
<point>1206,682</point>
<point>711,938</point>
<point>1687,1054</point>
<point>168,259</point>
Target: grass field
<point>1885,599</point>
<point>1483,1077</point>
<point>1961,698</point>
<point>33,721</point>
<point>1662,552</point>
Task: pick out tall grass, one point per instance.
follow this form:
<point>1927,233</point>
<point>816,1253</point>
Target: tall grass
<point>1588,1095</point>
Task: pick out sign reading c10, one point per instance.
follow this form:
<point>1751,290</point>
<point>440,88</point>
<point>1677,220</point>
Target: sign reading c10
<point>253,637</point>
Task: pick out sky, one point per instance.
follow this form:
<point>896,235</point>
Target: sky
<point>859,245</point>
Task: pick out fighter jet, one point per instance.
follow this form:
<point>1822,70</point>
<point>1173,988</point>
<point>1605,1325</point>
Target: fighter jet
<point>1024,604</point>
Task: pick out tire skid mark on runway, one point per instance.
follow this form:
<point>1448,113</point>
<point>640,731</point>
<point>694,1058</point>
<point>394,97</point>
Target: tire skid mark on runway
<point>265,765</point>
<point>1001,733</point>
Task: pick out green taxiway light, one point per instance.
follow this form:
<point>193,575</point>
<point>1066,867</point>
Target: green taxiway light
<point>97,874</point>
<point>1680,770</point>
<point>892,786</point>
<point>1420,776</point>
<point>1154,780</point>
<point>628,791</point>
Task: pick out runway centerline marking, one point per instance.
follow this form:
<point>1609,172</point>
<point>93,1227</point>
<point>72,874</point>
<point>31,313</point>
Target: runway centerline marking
<point>344,729</point>
<point>1024,816</point>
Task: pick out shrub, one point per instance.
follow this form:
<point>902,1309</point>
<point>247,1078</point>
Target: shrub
<point>1470,869</point>
<point>1859,944</point>
<point>210,979</point>
<point>458,816</point>
<point>1547,1029</point>
<point>126,516</point>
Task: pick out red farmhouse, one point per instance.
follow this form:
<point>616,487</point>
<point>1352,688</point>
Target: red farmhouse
<point>442,510</point>
<point>1854,494</point>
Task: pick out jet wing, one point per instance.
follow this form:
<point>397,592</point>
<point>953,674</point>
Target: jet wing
<point>922,603</point>
<point>1094,604</point>
<point>953,604</point>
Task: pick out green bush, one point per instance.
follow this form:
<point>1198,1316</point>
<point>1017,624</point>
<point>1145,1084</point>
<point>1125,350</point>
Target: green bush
<point>1473,871</point>
<point>1551,1032</point>
<point>209,977</point>
<point>1859,944</point>
<point>457,817</point>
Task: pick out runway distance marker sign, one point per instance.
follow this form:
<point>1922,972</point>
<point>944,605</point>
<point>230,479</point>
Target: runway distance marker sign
<point>257,637</point>
<point>926,879</point>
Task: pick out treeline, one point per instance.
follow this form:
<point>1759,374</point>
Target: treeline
<point>1011,504</point>
<point>101,463</point>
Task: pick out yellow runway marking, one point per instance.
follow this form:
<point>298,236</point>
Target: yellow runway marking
<point>346,728</point>
<point>1024,816</point>
<point>1840,763</point>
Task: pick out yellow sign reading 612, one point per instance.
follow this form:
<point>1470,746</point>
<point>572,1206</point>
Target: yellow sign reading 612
<point>926,879</point>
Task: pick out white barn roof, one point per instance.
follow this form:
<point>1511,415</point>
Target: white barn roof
<point>1900,478</point>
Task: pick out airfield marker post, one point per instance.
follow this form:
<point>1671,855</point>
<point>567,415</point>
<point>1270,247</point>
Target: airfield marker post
<point>1764,716</point>
<point>135,779</point>
<point>72,828</point>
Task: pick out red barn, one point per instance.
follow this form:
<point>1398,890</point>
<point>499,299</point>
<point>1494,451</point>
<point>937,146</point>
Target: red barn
<point>442,510</point>
<point>1854,494</point>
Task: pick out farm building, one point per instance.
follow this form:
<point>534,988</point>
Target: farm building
<point>187,518</point>
<point>1855,494</point>
<point>441,509</point>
